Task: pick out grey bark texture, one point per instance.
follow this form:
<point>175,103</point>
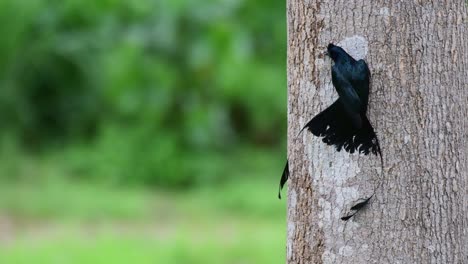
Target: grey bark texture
<point>417,52</point>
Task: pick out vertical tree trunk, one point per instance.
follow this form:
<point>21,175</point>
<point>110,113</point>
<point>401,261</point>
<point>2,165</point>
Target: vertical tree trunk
<point>417,52</point>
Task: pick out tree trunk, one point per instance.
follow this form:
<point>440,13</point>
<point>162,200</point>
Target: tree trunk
<point>417,52</point>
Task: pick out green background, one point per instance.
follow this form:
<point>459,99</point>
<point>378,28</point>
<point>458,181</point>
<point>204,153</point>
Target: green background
<point>142,131</point>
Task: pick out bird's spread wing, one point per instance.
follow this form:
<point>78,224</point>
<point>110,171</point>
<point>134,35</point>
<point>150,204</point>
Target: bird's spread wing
<point>334,126</point>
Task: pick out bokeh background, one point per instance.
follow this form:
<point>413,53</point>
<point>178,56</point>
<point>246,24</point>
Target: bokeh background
<point>142,131</point>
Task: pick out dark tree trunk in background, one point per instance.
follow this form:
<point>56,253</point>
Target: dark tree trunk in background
<point>417,52</point>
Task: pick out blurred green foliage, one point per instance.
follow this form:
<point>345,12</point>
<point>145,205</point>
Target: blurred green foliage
<point>100,100</point>
<point>154,92</point>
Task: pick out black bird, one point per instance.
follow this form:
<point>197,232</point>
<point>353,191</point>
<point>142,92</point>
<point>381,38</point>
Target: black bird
<point>344,124</point>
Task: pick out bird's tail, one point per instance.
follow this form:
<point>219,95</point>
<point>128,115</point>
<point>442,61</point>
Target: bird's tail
<point>336,129</point>
<point>368,142</point>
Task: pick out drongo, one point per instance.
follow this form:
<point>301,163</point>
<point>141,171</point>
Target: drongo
<point>344,124</point>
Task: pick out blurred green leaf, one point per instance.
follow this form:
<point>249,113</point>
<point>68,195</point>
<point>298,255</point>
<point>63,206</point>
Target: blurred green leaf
<point>149,86</point>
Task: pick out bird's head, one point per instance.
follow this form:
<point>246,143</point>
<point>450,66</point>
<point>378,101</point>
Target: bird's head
<point>336,52</point>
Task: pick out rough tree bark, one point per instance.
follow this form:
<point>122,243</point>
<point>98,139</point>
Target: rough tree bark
<point>417,52</point>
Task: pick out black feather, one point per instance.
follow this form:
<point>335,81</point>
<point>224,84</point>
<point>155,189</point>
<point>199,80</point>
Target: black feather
<point>360,205</point>
<point>284,178</point>
<point>346,218</point>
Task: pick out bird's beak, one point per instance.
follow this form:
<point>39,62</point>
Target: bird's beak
<point>325,54</point>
